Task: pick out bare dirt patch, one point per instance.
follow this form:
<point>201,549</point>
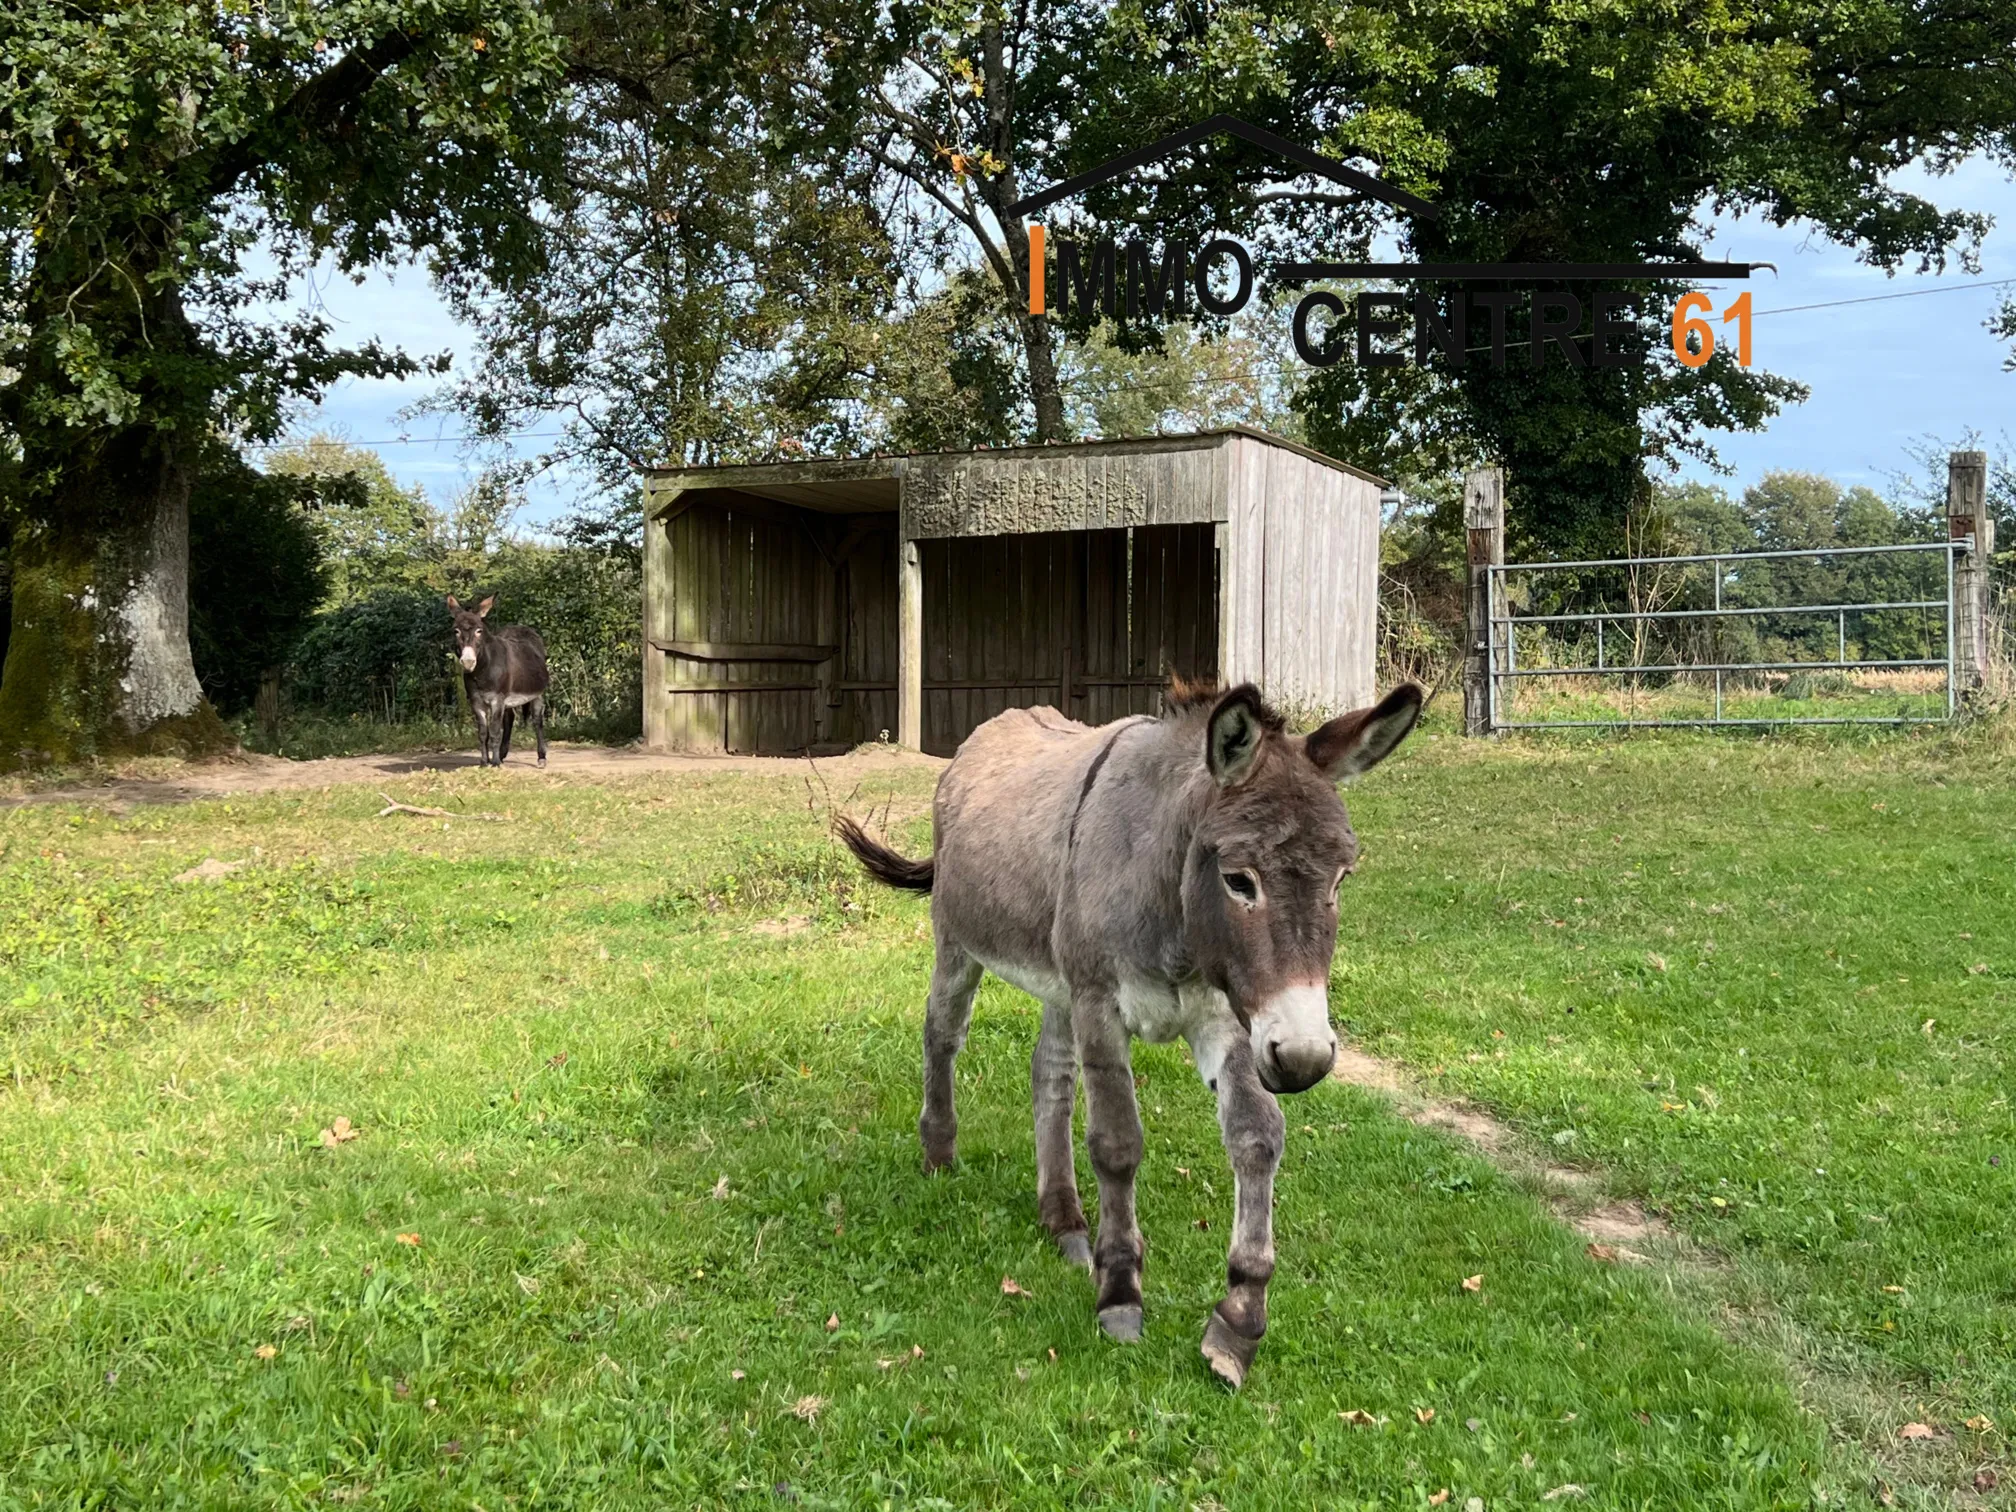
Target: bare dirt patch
<point>245,773</point>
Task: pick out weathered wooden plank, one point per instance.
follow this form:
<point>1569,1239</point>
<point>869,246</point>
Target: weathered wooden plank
<point>749,651</point>
<point>740,689</point>
<point>1060,489</point>
<point>1243,652</point>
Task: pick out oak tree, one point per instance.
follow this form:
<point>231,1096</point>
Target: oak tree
<point>170,170</point>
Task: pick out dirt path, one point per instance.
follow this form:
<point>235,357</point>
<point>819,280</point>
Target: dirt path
<point>1864,1407</point>
<point>1616,1231</point>
<point>164,782</point>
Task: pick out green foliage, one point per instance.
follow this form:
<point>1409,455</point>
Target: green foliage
<point>1552,133</point>
<point>951,374</point>
<point>710,276</point>
<point>256,576</point>
<point>152,145</point>
<point>386,655</point>
<point>375,534</point>
<point>1187,376</point>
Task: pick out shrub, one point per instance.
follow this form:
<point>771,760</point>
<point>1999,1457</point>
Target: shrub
<point>256,574</point>
<point>385,655</point>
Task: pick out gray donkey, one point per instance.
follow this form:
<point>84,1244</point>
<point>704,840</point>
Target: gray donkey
<point>503,671</point>
<point>1151,877</point>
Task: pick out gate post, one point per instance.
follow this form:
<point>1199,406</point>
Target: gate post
<point>1484,533</point>
<point>1967,515</point>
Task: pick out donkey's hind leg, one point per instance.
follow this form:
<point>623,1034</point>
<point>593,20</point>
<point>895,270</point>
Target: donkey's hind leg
<point>504,744</point>
<point>954,979</point>
<point>1053,1084</point>
<point>537,714</point>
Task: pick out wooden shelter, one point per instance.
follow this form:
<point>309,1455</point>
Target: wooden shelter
<point>814,605</point>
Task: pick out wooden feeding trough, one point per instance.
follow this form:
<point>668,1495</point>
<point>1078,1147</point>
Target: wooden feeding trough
<point>811,606</point>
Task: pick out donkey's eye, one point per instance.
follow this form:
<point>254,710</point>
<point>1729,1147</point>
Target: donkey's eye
<point>1243,885</point>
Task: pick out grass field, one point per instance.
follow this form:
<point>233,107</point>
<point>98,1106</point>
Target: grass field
<point>632,1217</point>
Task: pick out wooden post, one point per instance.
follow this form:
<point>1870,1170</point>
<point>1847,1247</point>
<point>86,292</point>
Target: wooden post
<point>1484,529</point>
<point>267,703</point>
<point>1967,515</point>
<point>1074,615</point>
<point>909,645</point>
<point>826,630</point>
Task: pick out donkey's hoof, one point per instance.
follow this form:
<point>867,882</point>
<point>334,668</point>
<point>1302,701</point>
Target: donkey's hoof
<point>1076,1248</point>
<point>1122,1324</point>
<point>1229,1353</point>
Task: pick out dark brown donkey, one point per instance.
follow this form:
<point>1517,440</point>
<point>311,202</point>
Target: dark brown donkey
<point>1150,878</point>
<point>503,671</point>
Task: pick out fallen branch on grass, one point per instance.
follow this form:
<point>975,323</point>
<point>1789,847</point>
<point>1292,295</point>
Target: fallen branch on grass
<point>394,806</point>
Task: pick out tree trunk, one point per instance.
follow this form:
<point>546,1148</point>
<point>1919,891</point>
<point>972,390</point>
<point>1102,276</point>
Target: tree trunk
<point>1000,192</point>
<point>98,659</point>
<point>1044,391</point>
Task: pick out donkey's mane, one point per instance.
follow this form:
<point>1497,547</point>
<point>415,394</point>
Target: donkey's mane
<point>1187,697</point>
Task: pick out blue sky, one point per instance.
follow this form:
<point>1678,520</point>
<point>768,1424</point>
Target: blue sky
<point>1883,375</point>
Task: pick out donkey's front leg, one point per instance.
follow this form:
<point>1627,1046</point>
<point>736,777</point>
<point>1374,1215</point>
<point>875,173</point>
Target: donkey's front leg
<point>1113,1138</point>
<point>1250,1120</point>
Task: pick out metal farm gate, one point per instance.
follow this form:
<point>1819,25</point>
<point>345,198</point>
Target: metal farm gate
<point>1741,638</point>
<point>1881,634</point>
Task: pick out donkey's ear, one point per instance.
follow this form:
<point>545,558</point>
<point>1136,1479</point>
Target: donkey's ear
<point>1232,740</point>
<point>484,607</point>
<point>452,604</point>
<point>1358,741</point>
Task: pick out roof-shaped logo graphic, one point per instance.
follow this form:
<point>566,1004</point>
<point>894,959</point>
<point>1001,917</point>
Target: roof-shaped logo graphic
<point>1225,125</point>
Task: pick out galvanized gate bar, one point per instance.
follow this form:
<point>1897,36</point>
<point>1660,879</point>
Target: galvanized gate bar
<point>1851,664</point>
<point>1730,613</point>
<point>1737,556</point>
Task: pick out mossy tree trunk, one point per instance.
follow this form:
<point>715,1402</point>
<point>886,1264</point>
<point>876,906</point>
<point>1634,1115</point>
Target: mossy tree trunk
<point>98,659</point>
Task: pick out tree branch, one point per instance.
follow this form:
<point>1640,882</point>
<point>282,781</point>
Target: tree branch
<point>317,106</point>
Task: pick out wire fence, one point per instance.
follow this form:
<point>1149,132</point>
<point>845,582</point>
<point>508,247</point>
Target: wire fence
<point>1830,635</point>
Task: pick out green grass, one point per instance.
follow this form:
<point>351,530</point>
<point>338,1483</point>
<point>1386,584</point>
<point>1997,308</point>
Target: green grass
<point>309,734</point>
<point>1768,984</point>
<point>559,1035</point>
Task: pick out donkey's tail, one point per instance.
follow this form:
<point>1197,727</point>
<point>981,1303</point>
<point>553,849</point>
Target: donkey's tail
<point>883,864</point>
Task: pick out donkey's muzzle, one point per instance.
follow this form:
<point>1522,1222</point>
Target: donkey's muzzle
<point>1294,1046</point>
<point>1296,1065</point>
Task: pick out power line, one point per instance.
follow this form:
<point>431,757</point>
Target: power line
<point>405,440</point>
<point>1197,382</point>
<point>1832,304</point>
